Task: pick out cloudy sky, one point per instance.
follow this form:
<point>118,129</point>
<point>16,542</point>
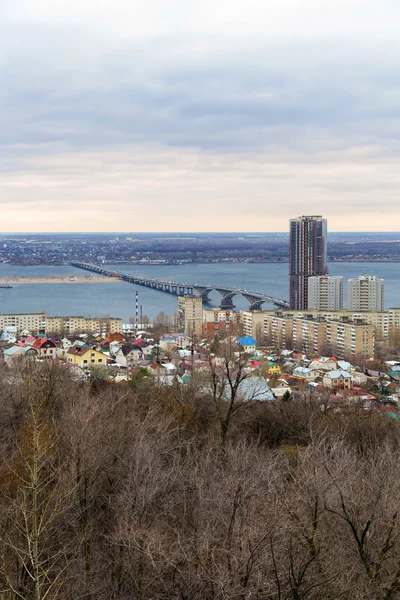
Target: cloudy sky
<point>181,115</point>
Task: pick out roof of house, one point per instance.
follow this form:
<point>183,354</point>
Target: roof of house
<point>40,342</point>
<point>337,374</point>
<point>246,341</point>
<point>81,350</point>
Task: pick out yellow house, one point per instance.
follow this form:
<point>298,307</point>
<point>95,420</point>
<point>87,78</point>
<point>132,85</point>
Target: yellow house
<point>273,369</point>
<point>85,356</point>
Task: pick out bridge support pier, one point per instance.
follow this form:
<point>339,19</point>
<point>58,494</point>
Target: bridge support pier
<point>226,305</point>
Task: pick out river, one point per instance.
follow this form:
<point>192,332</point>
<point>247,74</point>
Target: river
<point>118,298</point>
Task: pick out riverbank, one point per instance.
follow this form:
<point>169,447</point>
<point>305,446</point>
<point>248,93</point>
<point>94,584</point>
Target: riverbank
<point>83,279</point>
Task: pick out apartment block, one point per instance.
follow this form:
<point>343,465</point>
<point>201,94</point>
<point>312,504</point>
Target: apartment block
<point>77,325</point>
<point>325,292</point>
<point>190,315</point>
<point>40,323</point>
<point>220,320</point>
<point>310,336</point>
<point>252,322</point>
<point>350,339</point>
<point>32,322</point>
<point>278,329</point>
<point>365,293</point>
<point>319,333</point>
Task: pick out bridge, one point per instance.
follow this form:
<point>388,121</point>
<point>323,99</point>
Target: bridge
<point>227,294</point>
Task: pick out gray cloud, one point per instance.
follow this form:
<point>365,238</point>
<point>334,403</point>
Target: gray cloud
<point>232,103</point>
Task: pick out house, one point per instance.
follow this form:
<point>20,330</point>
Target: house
<point>113,337</point>
<point>254,388</point>
<point>16,352</point>
<point>85,356</point>
<point>306,373</point>
<point>128,355</point>
<point>273,368</point>
<point>280,392</point>
<point>323,364</point>
<point>46,347</point>
<point>338,379</point>
<point>248,343</point>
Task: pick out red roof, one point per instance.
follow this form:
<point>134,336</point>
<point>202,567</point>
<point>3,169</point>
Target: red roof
<point>39,342</point>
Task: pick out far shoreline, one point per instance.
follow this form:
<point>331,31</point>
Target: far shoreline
<point>32,280</point>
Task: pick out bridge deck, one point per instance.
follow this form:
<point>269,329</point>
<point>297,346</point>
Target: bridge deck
<point>179,288</point>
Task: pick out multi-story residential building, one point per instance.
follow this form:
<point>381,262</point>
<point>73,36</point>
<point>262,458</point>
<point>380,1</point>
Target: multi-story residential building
<point>278,329</point>
<point>318,334</point>
<point>325,292</point>
<point>386,323</point>
<point>40,323</point>
<point>350,338</point>
<point>77,325</point>
<point>309,336</point>
<point>365,293</point>
<point>252,322</point>
<point>219,320</point>
<point>190,315</point>
<point>307,256</point>
<point>32,322</point>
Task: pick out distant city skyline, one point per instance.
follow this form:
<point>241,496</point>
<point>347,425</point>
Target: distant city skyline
<point>187,116</point>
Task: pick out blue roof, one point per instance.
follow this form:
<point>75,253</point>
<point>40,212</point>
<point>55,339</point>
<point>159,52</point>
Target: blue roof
<point>246,341</point>
<point>337,374</point>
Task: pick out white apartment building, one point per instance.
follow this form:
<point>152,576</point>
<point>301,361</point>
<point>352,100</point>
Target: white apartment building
<point>365,293</point>
<point>325,292</point>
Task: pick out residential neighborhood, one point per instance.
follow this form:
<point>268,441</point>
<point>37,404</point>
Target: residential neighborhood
<point>176,359</point>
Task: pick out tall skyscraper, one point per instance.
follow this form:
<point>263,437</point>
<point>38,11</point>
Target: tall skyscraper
<point>365,293</point>
<point>307,256</point>
<point>325,292</point>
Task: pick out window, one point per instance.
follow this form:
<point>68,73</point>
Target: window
<point>85,362</point>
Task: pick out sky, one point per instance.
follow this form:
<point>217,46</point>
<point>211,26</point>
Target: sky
<point>176,115</point>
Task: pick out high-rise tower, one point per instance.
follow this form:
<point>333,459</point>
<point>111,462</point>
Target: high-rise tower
<point>307,256</point>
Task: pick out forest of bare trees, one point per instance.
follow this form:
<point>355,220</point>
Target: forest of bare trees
<point>117,493</point>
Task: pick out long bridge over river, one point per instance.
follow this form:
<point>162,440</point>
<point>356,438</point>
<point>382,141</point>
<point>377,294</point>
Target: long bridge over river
<point>177,288</point>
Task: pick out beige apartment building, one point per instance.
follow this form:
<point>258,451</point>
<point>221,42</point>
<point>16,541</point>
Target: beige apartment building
<point>190,315</point>
<point>253,324</point>
<point>32,322</point>
<point>77,325</point>
<point>386,323</point>
<point>317,332</point>
<point>40,323</point>
<point>219,319</point>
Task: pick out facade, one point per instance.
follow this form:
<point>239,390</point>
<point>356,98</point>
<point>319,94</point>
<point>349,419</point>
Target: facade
<point>77,325</point>
<point>46,348</point>
<point>252,322</point>
<point>32,322</point>
<point>325,292</point>
<point>350,338</point>
<point>220,320</point>
<point>277,324</point>
<point>190,315</point>
<point>40,323</point>
<point>316,334</point>
<point>365,293</point>
<point>278,329</point>
<point>85,356</point>
<point>307,256</point>
<point>338,379</point>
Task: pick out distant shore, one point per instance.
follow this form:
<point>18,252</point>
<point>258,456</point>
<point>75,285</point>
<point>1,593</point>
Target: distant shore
<point>82,279</point>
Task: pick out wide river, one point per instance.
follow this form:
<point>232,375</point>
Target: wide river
<point>118,298</point>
